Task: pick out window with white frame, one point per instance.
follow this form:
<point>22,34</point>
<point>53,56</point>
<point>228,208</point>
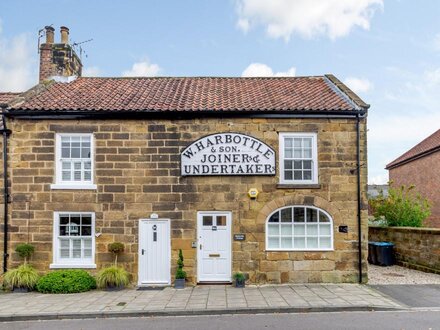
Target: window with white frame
<point>298,158</point>
<point>74,161</point>
<point>74,240</point>
<point>299,228</point>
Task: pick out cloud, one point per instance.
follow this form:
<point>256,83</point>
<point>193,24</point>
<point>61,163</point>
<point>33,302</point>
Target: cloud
<point>17,63</point>
<point>416,99</point>
<point>91,71</point>
<point>358,85</point>
<point>263,70</point>
<point>404,114</point>
<point>432,76</point>
<point>378,179</point>
<point>284,18</point>
<point>142,69</point>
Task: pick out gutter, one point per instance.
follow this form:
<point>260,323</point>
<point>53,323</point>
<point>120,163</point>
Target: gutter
<point>5,132</point>
<point>101,114</point>
<point>359,222</point>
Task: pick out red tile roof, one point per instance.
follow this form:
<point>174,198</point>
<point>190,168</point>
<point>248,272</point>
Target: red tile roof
<point>7,97</point>
<point>161,94</point>
<point>427,146</point>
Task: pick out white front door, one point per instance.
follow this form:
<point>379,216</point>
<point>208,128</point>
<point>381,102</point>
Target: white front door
<point>214,246</point>
<point>154,252</point>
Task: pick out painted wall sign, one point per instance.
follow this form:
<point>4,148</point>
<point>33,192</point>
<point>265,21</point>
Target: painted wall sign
<point>228,154</point>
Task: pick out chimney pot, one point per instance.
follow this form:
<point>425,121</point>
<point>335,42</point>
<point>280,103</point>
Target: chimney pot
<point>49,34</point>
<point>64,35</point>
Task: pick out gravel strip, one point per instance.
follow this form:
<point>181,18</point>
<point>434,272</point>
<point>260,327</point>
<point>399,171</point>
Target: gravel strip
<point>399,275</point>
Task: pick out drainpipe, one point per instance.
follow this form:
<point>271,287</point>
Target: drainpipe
<point>6,133</point>
<point>358,165</point>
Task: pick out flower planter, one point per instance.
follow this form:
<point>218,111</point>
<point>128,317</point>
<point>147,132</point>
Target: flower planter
<point>20,289</point>
<point>179,283</point>
<point>114,288</point>
<point>240,283</point>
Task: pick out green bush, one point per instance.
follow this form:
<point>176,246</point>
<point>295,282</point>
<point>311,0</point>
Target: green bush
<point>66,281</point>
<point>112,277</point>
<point>24,276</point>
<point>116,248</point>
<point>402,208</point>
<point>239,277</point>
<point>25,251</point>
<point>180,260</point>
<point>180,273</point>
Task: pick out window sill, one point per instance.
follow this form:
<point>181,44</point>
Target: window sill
<point>298,186</point>
<point>61,266</point>
<point>73,186</point>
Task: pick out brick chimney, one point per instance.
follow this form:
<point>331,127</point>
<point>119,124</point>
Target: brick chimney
<point>58,59</point>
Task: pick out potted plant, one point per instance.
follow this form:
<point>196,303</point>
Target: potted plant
<point>25,277</point>
<point>179,282</point>
<point>113,278</point>
<point>240,280</point>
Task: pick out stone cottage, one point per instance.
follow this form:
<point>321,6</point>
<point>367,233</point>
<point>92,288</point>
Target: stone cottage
<point>265,176</point>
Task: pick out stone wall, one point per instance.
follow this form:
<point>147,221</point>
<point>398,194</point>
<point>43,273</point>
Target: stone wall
<point>425,175</point>
<point>137,170</point>
<point>414,247</point>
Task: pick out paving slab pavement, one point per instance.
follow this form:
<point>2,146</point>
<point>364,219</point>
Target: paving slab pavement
<point>199,300</point>
<point>422,296</point>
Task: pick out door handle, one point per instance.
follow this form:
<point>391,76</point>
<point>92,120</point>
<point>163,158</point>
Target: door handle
<point>143,251</point>
<point>200,246</point>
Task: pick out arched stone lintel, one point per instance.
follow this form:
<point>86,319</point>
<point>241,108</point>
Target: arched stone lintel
<point>297,199</point>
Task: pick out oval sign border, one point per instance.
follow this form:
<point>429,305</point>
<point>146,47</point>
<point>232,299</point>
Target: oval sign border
<point>249,137</point>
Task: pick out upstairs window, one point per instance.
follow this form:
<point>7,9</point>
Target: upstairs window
<point>298,158</point>
<point>299,228</point>
<point>74,161</point>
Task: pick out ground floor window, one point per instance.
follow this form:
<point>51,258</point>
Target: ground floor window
<point>299,228</point>
<point>74,240</point>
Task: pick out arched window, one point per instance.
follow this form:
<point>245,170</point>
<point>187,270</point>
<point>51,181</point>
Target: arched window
<point>299,228</point>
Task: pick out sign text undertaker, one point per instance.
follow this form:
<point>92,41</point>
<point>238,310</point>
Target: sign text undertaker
<point>228,154</point>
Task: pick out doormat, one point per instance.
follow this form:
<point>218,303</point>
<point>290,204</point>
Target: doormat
<point>150,288</point>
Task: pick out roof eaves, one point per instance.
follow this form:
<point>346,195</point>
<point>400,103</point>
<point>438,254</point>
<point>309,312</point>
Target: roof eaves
<point>425,153</point>
<point>29,94</point>
<point>346,92</point>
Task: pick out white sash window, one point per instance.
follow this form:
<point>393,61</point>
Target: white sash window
<point>298,158</point>
<point>74,161</point>
<point>74,240</point>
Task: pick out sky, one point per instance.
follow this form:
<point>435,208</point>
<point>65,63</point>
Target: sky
<point>387,51</point>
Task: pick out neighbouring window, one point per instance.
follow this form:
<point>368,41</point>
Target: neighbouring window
<point>298,158</point>
<point>74,161</point>
<point>74,239</point>
<point>299,228</point>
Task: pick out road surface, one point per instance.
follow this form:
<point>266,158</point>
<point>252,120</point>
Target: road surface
<point>418,320</point>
